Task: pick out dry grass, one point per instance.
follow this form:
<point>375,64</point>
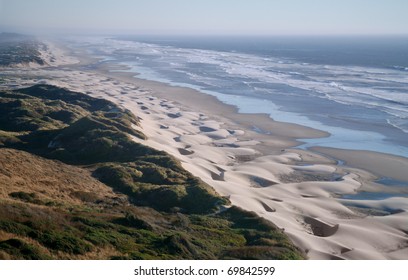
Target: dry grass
<point>49,180</point>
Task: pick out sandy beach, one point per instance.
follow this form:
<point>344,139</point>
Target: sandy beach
<point>250,159</point>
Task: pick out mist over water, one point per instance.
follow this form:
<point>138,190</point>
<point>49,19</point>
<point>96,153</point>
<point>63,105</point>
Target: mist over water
<point>354,88</point>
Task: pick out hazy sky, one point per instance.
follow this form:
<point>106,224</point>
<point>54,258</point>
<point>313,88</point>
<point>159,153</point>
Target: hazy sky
<point>207,16</point>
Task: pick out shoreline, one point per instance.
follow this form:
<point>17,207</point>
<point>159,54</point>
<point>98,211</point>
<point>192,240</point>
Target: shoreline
<point>298,190</point>
<point>288,135</point>
<point>271,133</point>
<point>342,137</point>
<point>357,126</point>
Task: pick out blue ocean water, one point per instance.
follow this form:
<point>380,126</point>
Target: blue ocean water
<point>356,88</point>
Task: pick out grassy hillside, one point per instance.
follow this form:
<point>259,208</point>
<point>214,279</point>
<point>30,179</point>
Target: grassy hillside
<point>73,185</point>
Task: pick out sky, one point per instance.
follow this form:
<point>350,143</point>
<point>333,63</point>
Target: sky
<point>247,17</point>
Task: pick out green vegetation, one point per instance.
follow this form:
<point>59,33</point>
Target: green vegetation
<point>18,249</point>
<point>165,189</point>
<point>139,234</point>
<point>159,211</point>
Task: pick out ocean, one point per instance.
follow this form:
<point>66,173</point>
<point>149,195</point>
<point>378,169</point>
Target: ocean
<point>355,88</point>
